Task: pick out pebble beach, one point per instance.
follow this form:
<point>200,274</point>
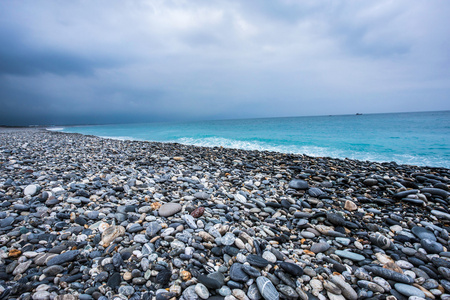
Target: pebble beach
<point>83,217</point>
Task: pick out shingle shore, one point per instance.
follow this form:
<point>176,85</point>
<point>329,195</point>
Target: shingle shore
<point>83,217</point>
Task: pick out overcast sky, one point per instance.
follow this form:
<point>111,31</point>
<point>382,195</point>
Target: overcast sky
<point>75,62</point>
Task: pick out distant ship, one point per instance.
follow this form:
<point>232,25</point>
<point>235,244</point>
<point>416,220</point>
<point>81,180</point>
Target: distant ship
<point>359,114</point>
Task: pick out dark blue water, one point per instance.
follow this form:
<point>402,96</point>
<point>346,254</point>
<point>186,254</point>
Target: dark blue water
<point>406,138</point>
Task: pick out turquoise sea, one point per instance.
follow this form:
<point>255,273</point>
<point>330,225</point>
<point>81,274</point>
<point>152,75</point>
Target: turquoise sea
<point>407,138</point>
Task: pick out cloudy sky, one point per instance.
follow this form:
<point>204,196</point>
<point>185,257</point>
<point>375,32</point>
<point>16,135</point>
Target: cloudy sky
<point>75,62</point>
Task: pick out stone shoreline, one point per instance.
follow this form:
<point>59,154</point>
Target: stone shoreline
<point>83,217</point>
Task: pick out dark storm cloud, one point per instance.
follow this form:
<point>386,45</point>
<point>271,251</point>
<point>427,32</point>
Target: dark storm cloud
<point>124,61</point>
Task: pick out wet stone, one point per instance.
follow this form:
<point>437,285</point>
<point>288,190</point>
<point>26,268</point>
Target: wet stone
<point>408,290</point>
<point>237,273</point>
<point>335,219</point>
<point>257,261</point>
<point>298,184</point>
<point>431,246</point>
<point>315,192</point>
<point>349,255</point>
<point>163,276</point>
<point>389,274</point>
<point>287,291</point>
<point>267,289</point>
<point>381,241</point>
<point>423,233</point>
<point>63,258</point>
<point>251,271</point>
<point>292,268</point>
<point>153,229</point>
<point>209,282</point>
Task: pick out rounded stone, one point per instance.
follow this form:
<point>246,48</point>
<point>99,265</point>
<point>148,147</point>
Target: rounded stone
<point>201,291</point>
<point>267,289</point>
<point>320,247</point>
<point>257,261</point>
<point>237,273</point>
<point>292,268</point>
<point>431,246</point>
<point>169,209</point>
<point>349,255</point>
<point>408,290</point>
<point>423,233</point>
<point>298,184</point>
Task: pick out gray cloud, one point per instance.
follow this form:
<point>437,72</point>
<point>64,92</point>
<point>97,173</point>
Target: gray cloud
<point>115,61</point>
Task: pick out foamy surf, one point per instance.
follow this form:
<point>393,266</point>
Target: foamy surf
<point>55,128</point>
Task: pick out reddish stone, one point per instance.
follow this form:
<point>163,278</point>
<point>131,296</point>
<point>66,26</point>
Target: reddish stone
<point>198,212</point>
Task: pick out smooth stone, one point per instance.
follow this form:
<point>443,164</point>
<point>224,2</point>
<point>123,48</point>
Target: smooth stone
<point>389,274</point>
<point>298,184</point>
<point>228,239</point>
<point>41,295</point>
<point>22,267</point>
<point>110,234</point>
<point>267,289</point>
<point>382,282</point>
<point>343,241</point>
<point>201,195</point>
<point>114,280</point>
<point>7,221</point>
<point>135,228</point>
<point>269,256</point>
<point>292,268</point>
<point>253,292</point>
<point>218,276</point>
<point>350,205</point>
<point>315,192</point>
<point>209,282</point>
<point>350,255</point>
<point>169,209</point>
<point>63,258</point>
<point>307,234</point>
<point>126,290</point>
<point>370,181</point>
<point>53,270</point>
<point>224,291</point>
<point>251,270</point>
<point>190,221</point>
<point>336,219</point>
<point>31,190</point>
<point>153,229</point>
<point>189,293</point>
<point>240,198</point>
<point>163,276</point>
<point>423,233</point>
<point>370,286</point>
<point>432,247</point>
<point>201,291</point>
<point>257,261</point>
<point>440,214</point>
<point>408,290</point>
<point>347,290</point>
<point>237,273</point>
<point>381,241</point>
<point>287,291</point>
<point>140,238</point>
<point>320,247</point>
<point>435,191</point>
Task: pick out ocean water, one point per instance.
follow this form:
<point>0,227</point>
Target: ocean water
<point>421,139</point>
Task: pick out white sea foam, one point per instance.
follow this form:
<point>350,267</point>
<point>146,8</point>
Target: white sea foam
<point>120,138</point>
<point>55,128</point>
<point>256,145</point>
<point>314,151</point>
